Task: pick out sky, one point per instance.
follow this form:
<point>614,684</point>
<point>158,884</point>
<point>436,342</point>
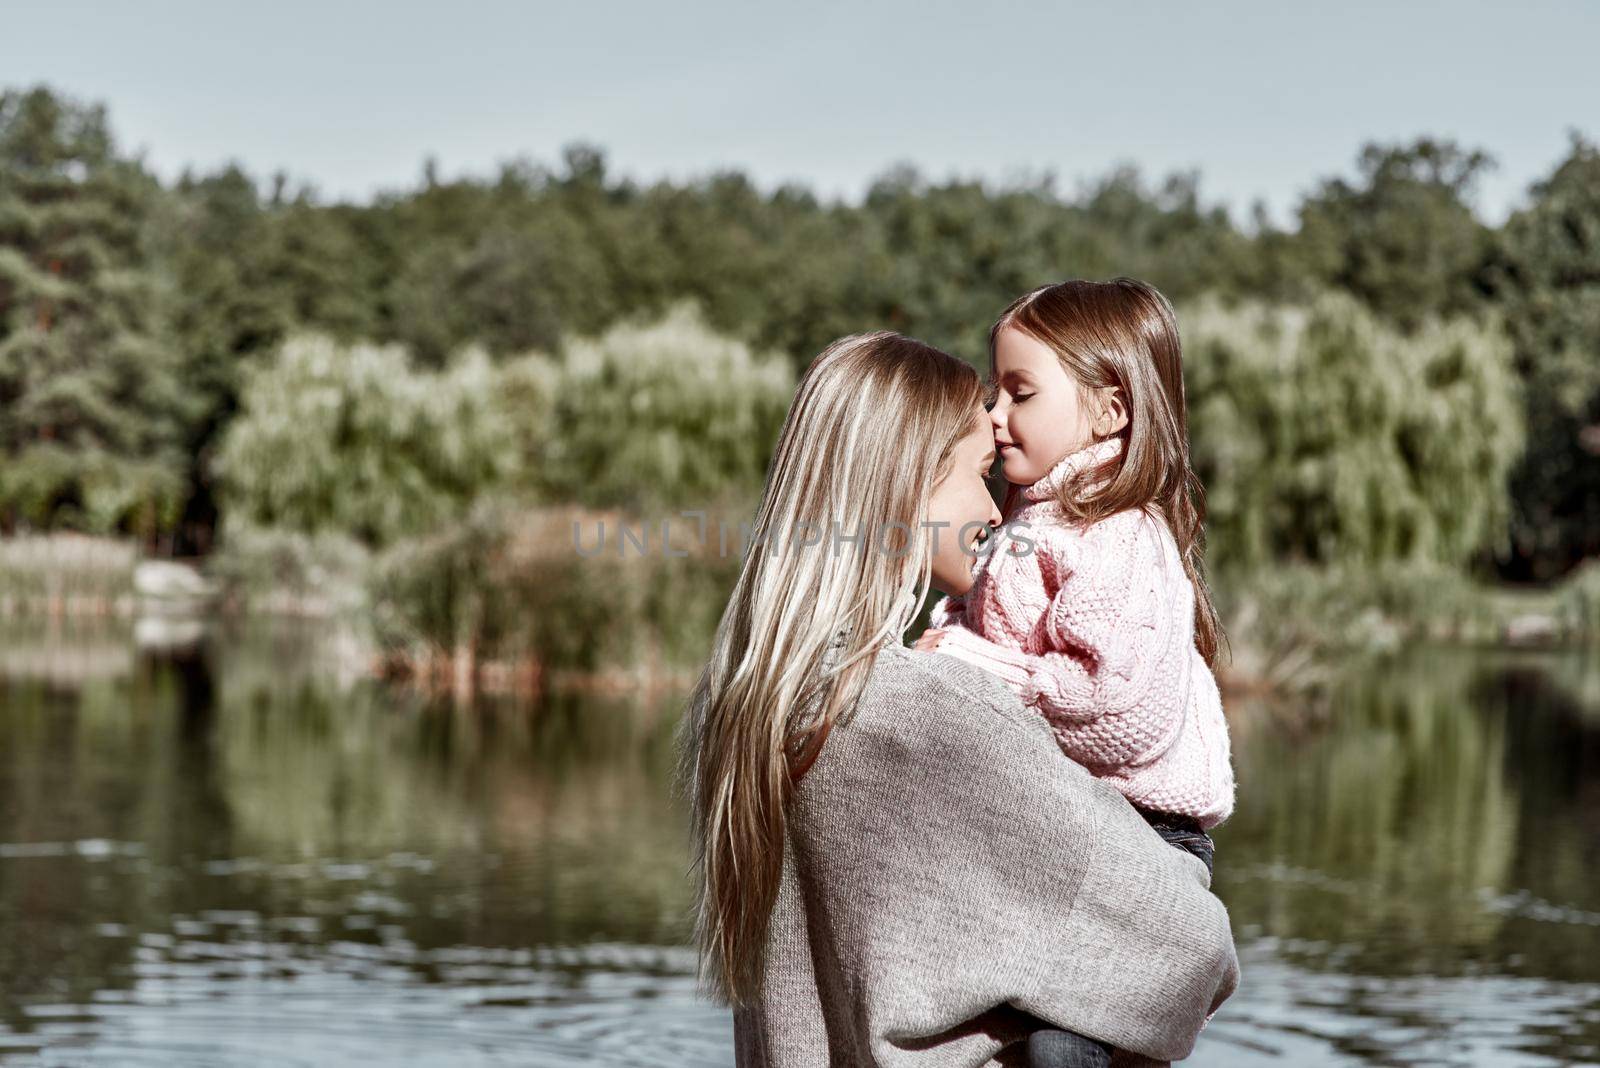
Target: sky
<point>1263,99</point>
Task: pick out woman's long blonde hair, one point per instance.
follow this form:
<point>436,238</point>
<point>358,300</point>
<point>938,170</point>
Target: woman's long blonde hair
<point>871,430</point>
<point>1124,333</point>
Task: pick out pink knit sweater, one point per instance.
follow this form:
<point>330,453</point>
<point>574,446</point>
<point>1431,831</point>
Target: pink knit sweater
<point>1094,628</point>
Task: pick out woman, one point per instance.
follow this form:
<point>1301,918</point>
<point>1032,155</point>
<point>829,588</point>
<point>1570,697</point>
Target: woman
<point>895,866</point>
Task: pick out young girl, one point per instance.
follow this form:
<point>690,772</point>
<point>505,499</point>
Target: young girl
<point>1090,603</point>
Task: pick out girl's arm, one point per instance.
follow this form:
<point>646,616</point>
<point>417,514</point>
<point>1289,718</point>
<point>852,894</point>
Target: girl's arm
<point>1102,681</point>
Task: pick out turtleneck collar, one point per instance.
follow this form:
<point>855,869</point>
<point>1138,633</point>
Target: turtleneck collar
<point>1069,465</point>
<point>904,612</point>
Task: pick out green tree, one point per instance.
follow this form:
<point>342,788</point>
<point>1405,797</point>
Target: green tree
<point>245,272</point>
<point>497,292</point>
<point>512,264</point>
<point>92,415</point>
<point>352,438</point>
<point>1402,237</point>
<point>1324,435</point>
<point>666,413</point>
<point>1546,276</point>
<point>212,237</point>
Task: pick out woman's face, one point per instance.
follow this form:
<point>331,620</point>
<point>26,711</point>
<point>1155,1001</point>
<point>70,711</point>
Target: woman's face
<point>961,511</point>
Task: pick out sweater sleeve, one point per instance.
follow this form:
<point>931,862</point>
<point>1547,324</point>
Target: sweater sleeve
<point>1100,678</point>
<point>965,866</point>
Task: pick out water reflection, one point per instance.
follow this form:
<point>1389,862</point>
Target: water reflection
<point>1416,882</point>
<point>222,856</point>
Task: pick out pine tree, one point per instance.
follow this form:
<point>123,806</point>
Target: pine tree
<point>91,409</point>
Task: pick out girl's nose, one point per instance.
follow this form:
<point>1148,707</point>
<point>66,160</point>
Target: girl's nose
<point>994,513</point>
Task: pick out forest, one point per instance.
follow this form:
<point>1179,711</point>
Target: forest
<point>224,365</point>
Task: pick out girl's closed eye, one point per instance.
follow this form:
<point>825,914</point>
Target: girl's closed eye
<point>1018,398</point>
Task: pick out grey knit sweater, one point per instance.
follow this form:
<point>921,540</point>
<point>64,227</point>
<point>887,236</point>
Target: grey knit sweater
<point>947,866</point>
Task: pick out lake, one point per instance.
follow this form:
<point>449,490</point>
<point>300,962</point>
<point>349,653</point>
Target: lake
<point>223,854</point>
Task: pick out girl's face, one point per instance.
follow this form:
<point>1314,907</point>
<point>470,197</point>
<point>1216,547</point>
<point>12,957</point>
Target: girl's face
<point>961,512</point>
<point>1039,415</point>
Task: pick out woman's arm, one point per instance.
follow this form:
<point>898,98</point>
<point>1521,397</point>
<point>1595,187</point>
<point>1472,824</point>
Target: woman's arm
<point>966,865</point>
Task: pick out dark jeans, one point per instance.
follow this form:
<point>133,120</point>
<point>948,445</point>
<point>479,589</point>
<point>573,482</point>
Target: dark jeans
<point>1183,832</point>
<point>1063,1049</point>
<point>1050,1048</point>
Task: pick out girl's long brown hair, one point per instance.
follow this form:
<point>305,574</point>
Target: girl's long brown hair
<point>1124,334</point>
<point>872,428</point>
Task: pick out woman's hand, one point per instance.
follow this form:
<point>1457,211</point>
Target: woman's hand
<point>928,640</point>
